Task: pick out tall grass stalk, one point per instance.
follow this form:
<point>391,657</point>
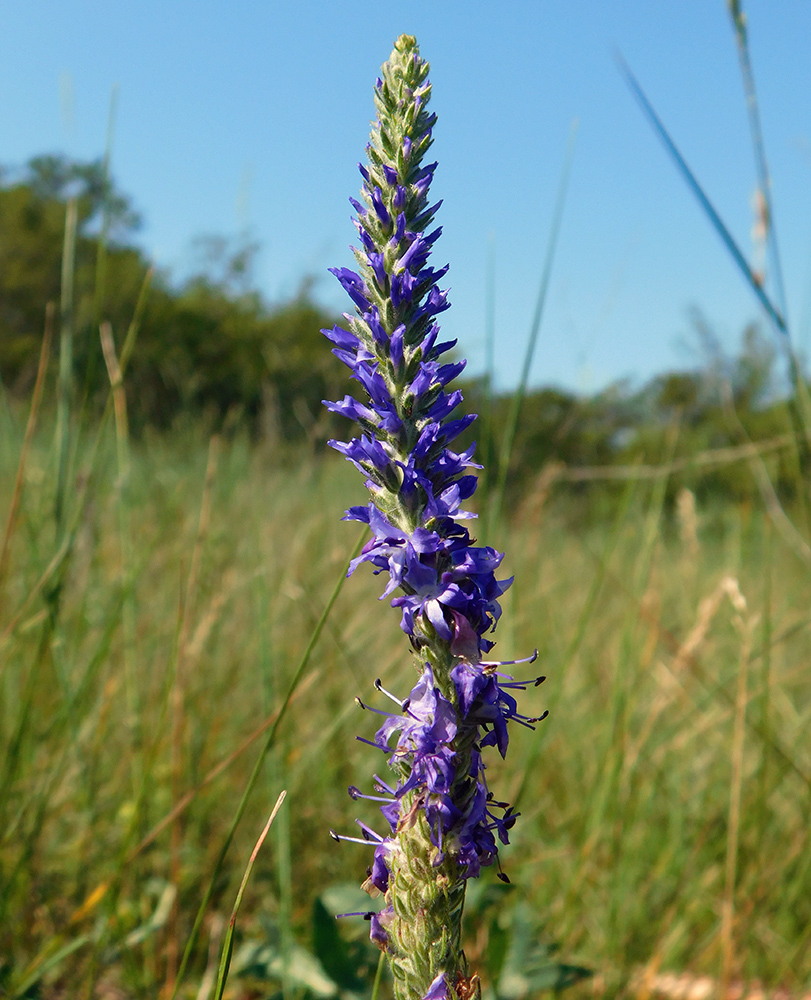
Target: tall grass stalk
<point>496,500</point>
<point>717,222</point>
<point>487,457</point>
<point>128,611</point>
<point>98,304</point>
<point>65,385</point>
<point>228,946</point>
<point>758,147</point>
<point>100,283</point>
<point>802,406</point>
<point>745,625</point>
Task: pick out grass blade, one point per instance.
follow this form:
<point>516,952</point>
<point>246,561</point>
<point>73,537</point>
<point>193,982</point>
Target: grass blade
<point>704,201</point>
<point>65,391</point>
<point>520,392</point>
<point>228,944</point>
<point>758,145</point>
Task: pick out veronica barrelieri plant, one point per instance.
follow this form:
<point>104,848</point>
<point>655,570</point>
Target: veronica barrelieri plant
<point>441,821</point>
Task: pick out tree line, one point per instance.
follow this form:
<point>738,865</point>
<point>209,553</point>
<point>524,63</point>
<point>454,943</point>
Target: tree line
<point>211,348</point>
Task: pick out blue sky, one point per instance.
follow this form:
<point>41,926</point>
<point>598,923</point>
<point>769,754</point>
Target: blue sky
<point>251,115</point>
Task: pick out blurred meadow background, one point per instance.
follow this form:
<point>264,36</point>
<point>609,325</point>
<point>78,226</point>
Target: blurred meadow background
<point>178,643</point>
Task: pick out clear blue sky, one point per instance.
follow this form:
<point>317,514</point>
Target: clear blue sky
<point>253,114</point>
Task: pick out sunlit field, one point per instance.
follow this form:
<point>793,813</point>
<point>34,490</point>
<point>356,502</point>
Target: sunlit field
<point>189,679</point>
<point>147,647</point>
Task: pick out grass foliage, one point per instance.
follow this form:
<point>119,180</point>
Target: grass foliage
<point>664,801</point>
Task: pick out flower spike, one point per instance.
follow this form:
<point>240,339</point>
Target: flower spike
<point>440,813</point>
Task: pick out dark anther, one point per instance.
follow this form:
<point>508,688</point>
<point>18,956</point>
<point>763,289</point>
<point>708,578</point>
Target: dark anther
<point>354,792</point>
<point>359,702</point>
<point>334,836</point>
<point>539,680</point>
<point>406,704</point>
<point>504,878</point>
<point>378,684</point>
<point>369,915</point>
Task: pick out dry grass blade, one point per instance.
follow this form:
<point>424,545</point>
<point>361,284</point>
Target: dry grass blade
<point>116,380</point>
<point>711,458</point>
<point>228,945</point>
<point>746,626</point>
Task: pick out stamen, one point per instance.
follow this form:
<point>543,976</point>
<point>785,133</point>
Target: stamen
<point>362,739</point>
<point>352,840</point>
<point>508,663</point>
<point>521,685</point>
<point>397,701</point>
<point>384,787</point>
<point>368,708</point>
<point>356,793</point>
<point>369,833</point>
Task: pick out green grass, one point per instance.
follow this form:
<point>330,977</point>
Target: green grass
<point>172,638</point>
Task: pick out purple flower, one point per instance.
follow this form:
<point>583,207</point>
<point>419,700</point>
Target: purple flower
<point>438,806</point>
<point>438,990</point>
<point>380,923</point>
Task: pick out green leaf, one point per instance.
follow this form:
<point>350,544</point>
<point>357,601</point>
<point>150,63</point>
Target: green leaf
<point>527,968</point>
<point>557,976</point>
<point>303,969</point>
<point>332,951</point>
